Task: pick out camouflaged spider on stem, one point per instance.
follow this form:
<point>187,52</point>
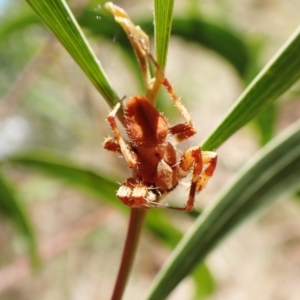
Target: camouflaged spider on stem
<point>156,164</point>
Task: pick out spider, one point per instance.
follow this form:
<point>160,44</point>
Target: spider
<point>156,164</point>
<point>154,160</point>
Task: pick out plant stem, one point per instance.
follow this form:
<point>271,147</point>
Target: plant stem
<point>137,217</point>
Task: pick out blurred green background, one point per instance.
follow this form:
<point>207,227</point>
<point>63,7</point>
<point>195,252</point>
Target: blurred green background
<point>48,104</point>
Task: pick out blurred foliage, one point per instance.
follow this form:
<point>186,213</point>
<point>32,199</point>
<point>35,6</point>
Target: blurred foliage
<point>11,207</point>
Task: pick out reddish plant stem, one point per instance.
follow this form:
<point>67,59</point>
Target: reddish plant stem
<point>137,217</point>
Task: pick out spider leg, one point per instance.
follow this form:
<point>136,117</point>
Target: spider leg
<point>196,158</point>
<point>134,34</point>
<point>137,194</point>
<point>192,157</point>
<point>123,147</point>
<point>111,144</point>
<point>209,158</point>
<point>184,130</point>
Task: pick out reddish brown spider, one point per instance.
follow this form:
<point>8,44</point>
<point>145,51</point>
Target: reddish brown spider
<point>157,167</point>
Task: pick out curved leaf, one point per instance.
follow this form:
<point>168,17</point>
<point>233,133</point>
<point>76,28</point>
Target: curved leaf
<point>222,40</point>
<point>219,39</point>
<point>59,18</point>
<point>271,173</point>
<point>265,124</point>
<point>70,173</point>
<point>95,184</point>
<point>282,71</point>
<point>204,282</point>
<point>12,208</point>
<point>17,23</point>
<point>101,187</point>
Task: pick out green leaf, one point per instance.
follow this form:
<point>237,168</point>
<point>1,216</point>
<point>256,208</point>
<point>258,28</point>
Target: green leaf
<point>13,209</point>
<point>159,225</point>
<point>162,27</point>
<point>218,38</point>
<point>17,23</point>
<point>282,71</point>
<point>222,40</point>
<point>204,282</point>
<point>272,173</point>
<point>59,18</point>
<point>62,168</point>
<point>102,188</point>
<point>94,184</point>
<point>265,124</point>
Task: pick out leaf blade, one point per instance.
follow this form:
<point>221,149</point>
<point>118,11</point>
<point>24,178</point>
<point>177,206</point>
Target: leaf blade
<point>93,183</point>
<point>12,208</point>
<point>163,11</point>
<point>282,71</point>
<point>222,40</point>
<point>274,171</point>
<point>70,173</point>
<point>58,17</point>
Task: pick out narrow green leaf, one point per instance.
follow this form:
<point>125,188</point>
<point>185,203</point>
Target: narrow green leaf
<point>218,38</point>
<point>61,168</point>
<point>158,224</point>
<point>204,282</point>
<point>282,71</point>
<point>59,18</point>
<point>13,209</point>
<point>94,184</point>
<point>17,23</point>
<point>265,124</point>
<point>162,27</point>
<point>222,40</point>
<point>272,173</point>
